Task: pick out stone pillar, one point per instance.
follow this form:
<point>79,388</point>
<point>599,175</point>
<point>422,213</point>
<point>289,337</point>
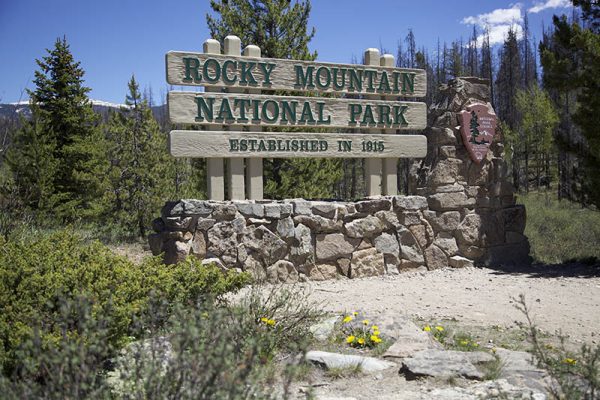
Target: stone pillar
<point>471,206</point>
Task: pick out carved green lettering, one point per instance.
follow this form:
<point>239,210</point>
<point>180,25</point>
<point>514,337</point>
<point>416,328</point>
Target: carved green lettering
<point>320,106</point>
<point>399,115</point>
<point>205,108</point>
<point>327,75</point>
<point>216,68</point>
<point>355,111</point>
<point>288,111</point>
<point>246,76</point>
<point>304,80</point>
<point>191,69</point>
<point>267,68</point>
<point>334,72</point>
<point>307,115</point>
<point>233,144</point>
<point>241,105</point>
<point>368,116</point>
<point>270,104</point>
<point>384,83</point>
<point>226,77</point>
<point>408,81</point>
<point>384,114</point>
<point>356,80</point>
<point>370,74</point>
<point>225,113</point>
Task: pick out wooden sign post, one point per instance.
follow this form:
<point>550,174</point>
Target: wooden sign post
<point>233,110</point>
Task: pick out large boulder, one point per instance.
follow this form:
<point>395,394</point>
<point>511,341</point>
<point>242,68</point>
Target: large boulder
<point>364,227</point>
<point>367,262</point>
<point>333,246</point>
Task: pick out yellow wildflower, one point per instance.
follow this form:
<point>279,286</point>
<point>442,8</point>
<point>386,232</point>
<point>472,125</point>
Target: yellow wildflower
<point>569,361</point>
<point>350,339</point>
<point>361,341</point>
<point>375,328</point>
<point>464,342</point>
<point>427,328</point>
<point>355,313</point>
<point>376,333</point>
<point>271,322</point>
<point>348,318</point>
<point>439,328</point>
<point>264,319</point>
<point>365,322</point>
<point>375,339</point>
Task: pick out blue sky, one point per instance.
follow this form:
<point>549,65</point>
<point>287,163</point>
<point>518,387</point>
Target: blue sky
<point>115,38</point>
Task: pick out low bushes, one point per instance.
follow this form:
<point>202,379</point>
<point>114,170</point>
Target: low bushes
<point>48,284</point>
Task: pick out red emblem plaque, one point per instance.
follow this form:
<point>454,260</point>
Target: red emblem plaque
<point>478,126</point>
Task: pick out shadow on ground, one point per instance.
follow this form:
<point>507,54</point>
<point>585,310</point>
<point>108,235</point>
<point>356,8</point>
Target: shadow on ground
<point>586,268</point>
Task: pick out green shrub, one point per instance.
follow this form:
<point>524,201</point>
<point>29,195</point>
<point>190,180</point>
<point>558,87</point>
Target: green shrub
<point>560,231</point>
<point>39,275</point>
<point>210,351</point>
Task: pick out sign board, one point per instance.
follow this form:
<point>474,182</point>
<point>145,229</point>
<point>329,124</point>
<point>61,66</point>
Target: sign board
<point>200,69</point>
<point>291,111</point>
<point>478,127</point>
<point>228,144</point>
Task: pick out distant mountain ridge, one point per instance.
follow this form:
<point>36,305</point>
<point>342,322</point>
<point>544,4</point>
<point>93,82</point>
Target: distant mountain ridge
<point>15,110</point>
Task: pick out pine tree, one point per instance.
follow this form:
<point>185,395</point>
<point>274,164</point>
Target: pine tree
<point>141,172</point>
<point>474,127</point>
<point>279,28</point>
<point>571,61</point>
<point>64,126</point>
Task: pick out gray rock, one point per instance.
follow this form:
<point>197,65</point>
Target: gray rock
<point>447,243</point>
<point>264,245</point>
<point>276,210</point>
<point>409,340</point>
<point>446,221</point>
<point>445,172</point>
<point>364,227</point>
<point>318,224</point>
<point>323,330</point>
<point>222,242</point>
<point>460,262</point>
<point>441,364</point>
<point>200,208</point>
<point>301,207</point>
<point>450,201</point>
<point>282,272</point>
<point>224,212</point>
<point>408,218</point>
<point>238,225</point>
<point>335,360</point>
<point>175,251</point>
<point>410,203</point>
<point>372,206</point>
<point>198,246</point>
<point>324,209</point>
<point>335,245</point>
<point>387,244</point>
<point>518,369</point>
<point>321,272</point>
<point>410,249</point>
<point>253,210</point>
<point>302,251</point>
<point>204,224</point>
<point>389,219</point>
<point>366,262</point>
<point>470,229</point>
<point>344,266</point>
<point>435,258</point>
<point>285,227</point>
<point>177,223</point>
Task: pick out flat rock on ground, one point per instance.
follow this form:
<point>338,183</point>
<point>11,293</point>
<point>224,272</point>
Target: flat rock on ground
<point>348,361</point>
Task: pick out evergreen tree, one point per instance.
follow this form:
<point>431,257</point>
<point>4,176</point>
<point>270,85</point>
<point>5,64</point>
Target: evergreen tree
<point>474,127</point>
<point>141,172</point>
<point>571,60</point>
<point>279,28</point>
<point>64,126</point>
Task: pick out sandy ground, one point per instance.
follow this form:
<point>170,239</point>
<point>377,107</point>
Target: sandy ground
<point>562,298</point>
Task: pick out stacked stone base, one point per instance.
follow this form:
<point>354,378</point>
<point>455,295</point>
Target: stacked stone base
<point>299,240</point>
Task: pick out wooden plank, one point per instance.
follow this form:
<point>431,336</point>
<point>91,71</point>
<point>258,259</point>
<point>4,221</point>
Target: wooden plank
<point>372,165</point>
<point>254,166</point>
<point>211,144</point>
<point>187,68</point>
<point>389,170</point>
<point>215,170</point>
<point>293,111</point>
<point>237,190</point>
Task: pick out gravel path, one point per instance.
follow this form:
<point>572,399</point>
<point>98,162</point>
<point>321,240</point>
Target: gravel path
<point>563,298</point>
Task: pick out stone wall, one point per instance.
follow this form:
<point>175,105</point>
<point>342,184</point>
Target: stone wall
<point>297,239</point>
<point>464,214</point>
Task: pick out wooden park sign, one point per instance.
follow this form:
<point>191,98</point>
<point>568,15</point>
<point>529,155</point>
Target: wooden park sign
<point>234,108</point>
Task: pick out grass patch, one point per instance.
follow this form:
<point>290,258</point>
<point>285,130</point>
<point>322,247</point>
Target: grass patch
<point>561,231</point>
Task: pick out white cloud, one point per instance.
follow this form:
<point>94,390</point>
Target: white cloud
<point>501,16</point>
<point>498,23</point>
<point>544,5</point>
